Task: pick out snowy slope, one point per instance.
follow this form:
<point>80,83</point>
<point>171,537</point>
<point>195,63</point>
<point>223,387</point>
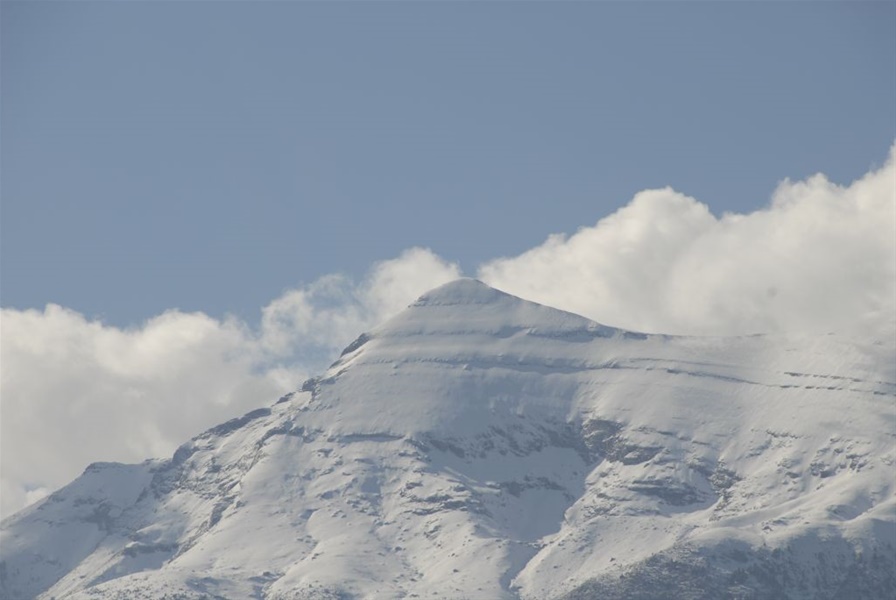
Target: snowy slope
<point>481,446</point>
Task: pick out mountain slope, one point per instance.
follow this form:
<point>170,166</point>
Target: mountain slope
<point>481,446</point>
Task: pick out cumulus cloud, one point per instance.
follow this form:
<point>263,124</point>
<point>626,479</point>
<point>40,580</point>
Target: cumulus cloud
<point>820,257</point>
<point>75,391</point>
<point>324,316</point>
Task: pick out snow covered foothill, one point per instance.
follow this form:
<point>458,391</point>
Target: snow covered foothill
<point>481,446</point>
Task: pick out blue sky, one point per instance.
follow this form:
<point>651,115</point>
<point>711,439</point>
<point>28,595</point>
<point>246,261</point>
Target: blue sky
<point>207,156</point>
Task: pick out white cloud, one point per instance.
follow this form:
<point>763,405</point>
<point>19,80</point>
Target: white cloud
<point>76,391</point>
<point>820,257</point>
<point>324,316</point>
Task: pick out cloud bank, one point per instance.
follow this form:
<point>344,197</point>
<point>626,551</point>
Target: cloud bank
<point>820,257</point>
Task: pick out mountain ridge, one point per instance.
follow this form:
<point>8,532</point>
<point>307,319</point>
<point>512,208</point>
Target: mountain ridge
<point>478,445</point>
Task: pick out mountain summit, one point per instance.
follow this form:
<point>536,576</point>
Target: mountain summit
<point>481,446</point>
<point>464,291</point>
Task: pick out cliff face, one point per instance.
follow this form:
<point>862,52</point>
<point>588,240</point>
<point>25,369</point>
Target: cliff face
<point>482,446</point>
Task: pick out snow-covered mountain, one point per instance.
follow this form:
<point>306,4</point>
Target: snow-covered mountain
<point>482,446</point>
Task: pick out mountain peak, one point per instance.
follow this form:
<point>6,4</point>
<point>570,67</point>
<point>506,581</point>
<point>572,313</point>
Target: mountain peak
<point>469,306</point>
<point>461,291</point>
